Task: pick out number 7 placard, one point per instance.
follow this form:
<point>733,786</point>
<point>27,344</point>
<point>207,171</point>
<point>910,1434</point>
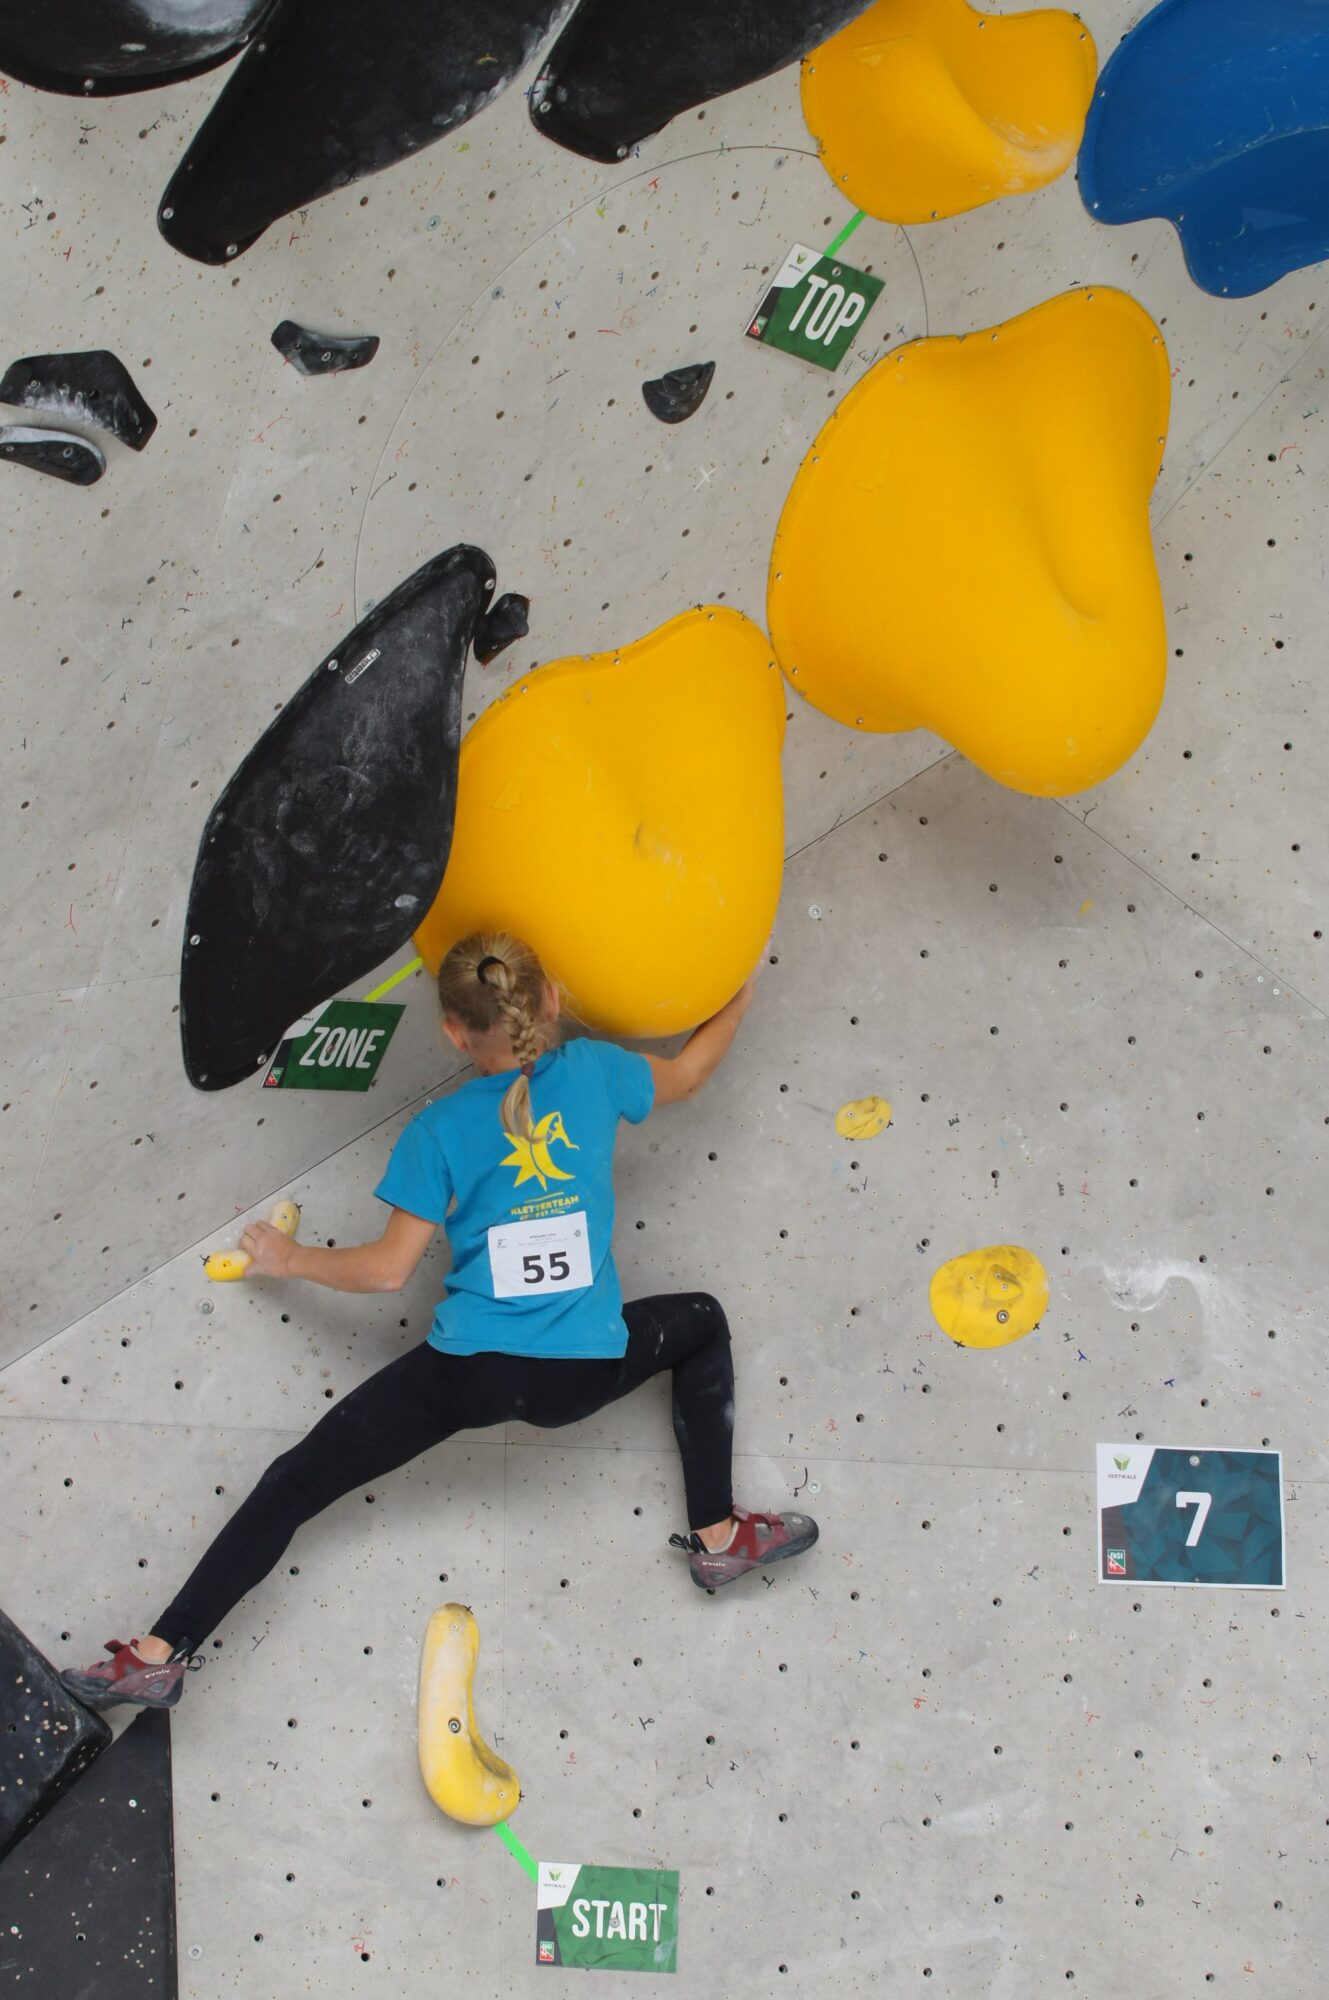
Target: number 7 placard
<point>1190,1514</point>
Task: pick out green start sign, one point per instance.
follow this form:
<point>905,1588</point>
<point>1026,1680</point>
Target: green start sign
<point>606,1919</point>
<point>815,307</point>
<point>338,1047</point>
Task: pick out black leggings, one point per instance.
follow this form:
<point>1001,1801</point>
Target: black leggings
<point>424,1396</point>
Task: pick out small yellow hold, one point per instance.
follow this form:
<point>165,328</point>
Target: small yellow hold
<point>464,1777</point>
<point>285,1215</point>
<point>224,1265</point>
<point>863,1119</point>
<point>987,1298</point>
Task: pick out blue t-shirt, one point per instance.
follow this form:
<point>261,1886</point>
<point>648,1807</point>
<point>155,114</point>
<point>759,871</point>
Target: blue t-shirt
<point>531,1232</point>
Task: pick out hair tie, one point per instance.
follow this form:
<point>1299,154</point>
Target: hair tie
<point>528,1069</point>
<point>483,967</point>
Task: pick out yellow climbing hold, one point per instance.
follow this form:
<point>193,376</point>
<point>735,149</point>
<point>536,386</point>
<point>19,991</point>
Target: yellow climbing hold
<point>224,1265</point>
<point>925,108</point>
<point>465,1778</point>
<point>625,815</point>
<point>863,1119</point>
<point>987,1298</point>
<point>966,547</point>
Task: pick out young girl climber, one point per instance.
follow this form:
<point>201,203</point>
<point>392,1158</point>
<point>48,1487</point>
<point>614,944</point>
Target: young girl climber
<point>516,1166</point>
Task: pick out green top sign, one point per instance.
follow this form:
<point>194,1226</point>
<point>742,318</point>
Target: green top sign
<point>606,1919</point>
<point>338,1047</point>
<point>815,307</point>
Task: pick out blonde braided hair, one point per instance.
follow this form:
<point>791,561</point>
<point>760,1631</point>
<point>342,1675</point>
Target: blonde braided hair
<point>492,980</point>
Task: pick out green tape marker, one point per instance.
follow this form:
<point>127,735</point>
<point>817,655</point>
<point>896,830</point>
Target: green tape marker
<point>844,235</point>
<point>395,980</point>
<point>516,1850</point>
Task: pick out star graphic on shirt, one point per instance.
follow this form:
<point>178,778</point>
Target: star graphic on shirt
<point>531,1156</point>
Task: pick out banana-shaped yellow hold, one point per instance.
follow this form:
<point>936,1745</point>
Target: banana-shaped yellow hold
<point>223,1265</point>
<point>465,1778</point>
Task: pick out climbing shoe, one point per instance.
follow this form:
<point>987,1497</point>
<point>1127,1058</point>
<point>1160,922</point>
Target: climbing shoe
<point>127,1678</point>
<point>758,1540</point>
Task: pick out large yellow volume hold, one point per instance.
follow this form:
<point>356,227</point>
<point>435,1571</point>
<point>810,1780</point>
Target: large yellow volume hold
<point>624,814</point>
<point>925,108</point>
<point>465,1778</point>
<point>966,548</point>
<point>987,1298</point>
<point>224,1265</point>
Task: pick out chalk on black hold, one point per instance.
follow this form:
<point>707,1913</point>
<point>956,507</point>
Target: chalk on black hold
<point>675,397</point>
<point>92,387</point>
<point>329,843</point>
<point>502,627</point>
<point>323,353</point>
<point>87,1903</point>
<point>47,1739</point>
<point>58,453</point>
<point>621,69</point>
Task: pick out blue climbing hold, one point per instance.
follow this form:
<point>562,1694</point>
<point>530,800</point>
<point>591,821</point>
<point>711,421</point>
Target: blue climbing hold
<point>1215,115</point>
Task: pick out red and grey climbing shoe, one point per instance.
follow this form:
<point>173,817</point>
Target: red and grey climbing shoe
<point>127,1678</point>
<point>758,1540</point>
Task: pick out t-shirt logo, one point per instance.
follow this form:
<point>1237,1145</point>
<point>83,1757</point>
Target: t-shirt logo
<point>531,1156</point>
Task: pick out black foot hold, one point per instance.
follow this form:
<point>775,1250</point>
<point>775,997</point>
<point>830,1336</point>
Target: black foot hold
<point>323,353</point>
<point>65,1932</point>
<point>47,1739</point>
<point>93,387</point>
<point>59,453</point>
<point>505,624</point>
<point>675,397</point>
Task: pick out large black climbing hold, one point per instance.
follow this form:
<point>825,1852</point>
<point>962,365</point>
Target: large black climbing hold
<point>675,397</point>
<point>328,845</point>
<point>59,453</point>
<point>87,1904</point>
<point>93,387</point>
<point>507,622</point>
<point>621,69</point>
<point>336,90</point>
<point>99,48</point>
<point>47,1739</point>
<point>323,353</point>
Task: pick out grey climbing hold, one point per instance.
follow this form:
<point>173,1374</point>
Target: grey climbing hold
<point>675,397</point>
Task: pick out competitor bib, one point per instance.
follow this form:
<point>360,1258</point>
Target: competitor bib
<point>533,1259</point>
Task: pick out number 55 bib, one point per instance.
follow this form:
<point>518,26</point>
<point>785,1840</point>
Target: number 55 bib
<point>532,1259</point>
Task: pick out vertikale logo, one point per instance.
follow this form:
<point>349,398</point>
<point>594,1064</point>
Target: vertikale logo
<point>1121,1463</point>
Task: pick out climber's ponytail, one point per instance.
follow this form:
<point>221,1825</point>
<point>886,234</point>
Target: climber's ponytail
<point>492,980</point>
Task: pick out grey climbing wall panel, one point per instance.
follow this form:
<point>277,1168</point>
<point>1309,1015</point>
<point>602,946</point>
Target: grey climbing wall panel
<point>994,1829</point>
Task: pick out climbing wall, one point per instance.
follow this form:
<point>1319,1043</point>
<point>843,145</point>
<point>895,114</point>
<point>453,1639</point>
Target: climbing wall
<point>935,1755</point>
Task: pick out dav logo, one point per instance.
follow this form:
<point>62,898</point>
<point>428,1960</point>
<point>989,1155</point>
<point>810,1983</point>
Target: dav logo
<point>544,1954</point>
<point>1116,1562</point>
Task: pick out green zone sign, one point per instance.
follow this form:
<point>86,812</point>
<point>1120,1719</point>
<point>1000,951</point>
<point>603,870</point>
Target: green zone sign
<point>606,1919</point>
<point>1190,1514</point>
<point>815,307</point>
<point>337,1047</point>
